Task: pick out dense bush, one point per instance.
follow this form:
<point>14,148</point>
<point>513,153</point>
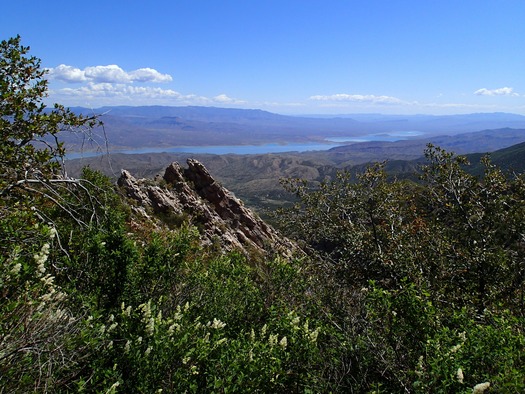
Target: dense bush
<point>434,259</point>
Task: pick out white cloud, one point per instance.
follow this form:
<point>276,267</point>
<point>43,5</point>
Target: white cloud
<point>224,99</point>
<point>93,90</point>
<point>106,74</point>
<point>67,73</point>
<point>111,74</point>
<point>122,94</point>
<point>506,91</point>
<point>358,98</point>
<point>149,75</point>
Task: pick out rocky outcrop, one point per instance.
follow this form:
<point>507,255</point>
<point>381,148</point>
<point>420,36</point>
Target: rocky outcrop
<point>192,192</point>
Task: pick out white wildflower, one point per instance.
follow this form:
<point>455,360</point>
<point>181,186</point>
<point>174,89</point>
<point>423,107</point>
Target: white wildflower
<point>48,280</point>
<point>263,331</point>
<point>480,388</point>
<point>459,375</point>
<point>148,351</point>
<point>150,326</point>
<point>185,360</point>
<point>52,232</point>
<point>295,322</point>
<point>221,341</point>
<point>313,335</point>
<point>172,328</point>
<point>139,339</point>
<point>45,249</point>
<point>454,349</point>
<point>217,324</point>
<point>59,296</point>
<point>272,340</point>
<point>146,310</point>
<point>252,336</point>
<point>283,343</point>
<point>127,346</point>
<point>16,269</point>
<point>41,267</point>
<point>48,296</point>
<point>112,327</point>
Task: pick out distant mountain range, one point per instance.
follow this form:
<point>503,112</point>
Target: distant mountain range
<point>159,126</point>
<point>255,178</point>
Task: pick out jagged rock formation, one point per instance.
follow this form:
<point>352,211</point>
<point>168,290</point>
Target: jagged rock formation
<point>193,192</point>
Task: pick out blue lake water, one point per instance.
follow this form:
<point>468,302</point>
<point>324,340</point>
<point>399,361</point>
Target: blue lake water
<point>221,150</point>
<point>386,137</point>
<point>261,149</point>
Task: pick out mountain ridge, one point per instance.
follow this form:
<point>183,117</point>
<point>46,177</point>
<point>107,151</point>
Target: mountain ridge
<point>128,128</point>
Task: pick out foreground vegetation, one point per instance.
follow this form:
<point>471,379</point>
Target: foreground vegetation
<point>406,287</point>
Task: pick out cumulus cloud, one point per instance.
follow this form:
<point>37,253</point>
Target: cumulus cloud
<point>505,91</point>
<point>111,73</point>
<point>358,98</point>
<point>224,99</point>
<point>67,73</point>
<point>149,75</point>
<point>106,90</point>
<point>105,93</point>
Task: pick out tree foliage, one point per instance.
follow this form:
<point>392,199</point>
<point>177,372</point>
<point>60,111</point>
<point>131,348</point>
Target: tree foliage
<point>29,147</point>
<point>453,233</point>
<point>432,259</point>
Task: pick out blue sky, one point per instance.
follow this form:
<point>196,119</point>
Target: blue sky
<point>290,57</point>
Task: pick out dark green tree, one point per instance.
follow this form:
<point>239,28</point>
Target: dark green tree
<point>30,151</point>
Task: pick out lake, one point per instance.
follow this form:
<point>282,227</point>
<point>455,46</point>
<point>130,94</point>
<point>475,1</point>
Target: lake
<point>386,137</point>
<point>221,150</point>
<point>263,148</point>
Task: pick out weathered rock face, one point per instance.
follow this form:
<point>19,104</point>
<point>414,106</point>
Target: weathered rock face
<point>193,192</point>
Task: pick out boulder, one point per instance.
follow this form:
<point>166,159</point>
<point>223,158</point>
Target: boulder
<point>193,192</point>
